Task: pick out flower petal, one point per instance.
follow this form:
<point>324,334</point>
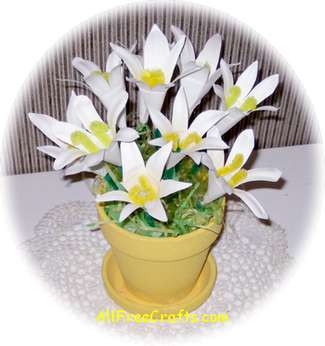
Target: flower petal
<point>211,52</point>
<point>217,187</point>
<point>132,160</point>
<point>169,186</point>
<point>262,174</point>
<point>252,203</point>
<point>76,167</point>
<point>65,157</point>
<point>98,85</point>
<point>211,143</point>
<point>127,134</point>
<point>64,130</point>
<point>246,81</point>
<point>132,61</point>
<point>218,90</point>
<point>113,154</point>
<point>266,108</point>
<point>204,121</point>
<point>160,121</point>
<point>79,166</point>
<point>201,92</point>
<point>127,211</point>
<point>207,161</point>
<point>71,114</point>
<point>85,67</point>
<point>94,159</point>
<point>152,99</point>
<point>265,88</point>
<point>115,106</point>
<point>233,117</point>
<point>159,142</point>
<point>116,78</point>
<point>180,112</point>
<point>113,61</point>
<point>174,158</point>
<point>156,210</point>
<point>46,124</point>
<point>193,84</point>
<point>228,79</point>
<point>85,110</point>
<point>187,54</point>
<point>171,61</point>
<point>157,162</point>
<point>156,49</point>
<point>113,196</point>
<point>244,144</point>
<point>217,157</point>
<point>51,150</point>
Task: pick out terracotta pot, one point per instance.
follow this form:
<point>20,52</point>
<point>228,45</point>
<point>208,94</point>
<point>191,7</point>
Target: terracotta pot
<point>159,270</point>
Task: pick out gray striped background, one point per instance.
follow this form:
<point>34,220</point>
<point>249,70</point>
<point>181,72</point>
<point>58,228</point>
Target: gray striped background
<point>44,93</point>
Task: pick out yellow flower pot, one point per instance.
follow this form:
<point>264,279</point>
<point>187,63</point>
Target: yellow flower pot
<point>158,272</point>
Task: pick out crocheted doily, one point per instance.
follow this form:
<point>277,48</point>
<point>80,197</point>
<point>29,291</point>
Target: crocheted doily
<point>251,257</point>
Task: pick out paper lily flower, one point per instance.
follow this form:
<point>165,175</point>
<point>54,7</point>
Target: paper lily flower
<point>226,177</point>
<point>198,84</point>
<point>187,140</point>
<point>242,98</point>
<point>143,183</point>
<point>153,72</point>
<point>85,136</point>
<point>103,83</point>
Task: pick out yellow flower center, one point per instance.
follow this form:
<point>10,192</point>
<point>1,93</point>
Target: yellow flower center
<point>80,138</point>
<point>172,137</point>
<point>153,77</point>
<point>237,178</point>
<point>105,75</point>
<point>143,192</point>
<point>234,93</point>
<point>235,164</point>
<point>100,129</point>
<point>192,138</point>
<point>249,104</point>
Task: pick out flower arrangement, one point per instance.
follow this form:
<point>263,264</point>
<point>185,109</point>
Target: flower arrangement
<point>166,177</point>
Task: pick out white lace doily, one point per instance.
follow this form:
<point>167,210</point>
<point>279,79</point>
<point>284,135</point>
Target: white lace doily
<point>251,257</point>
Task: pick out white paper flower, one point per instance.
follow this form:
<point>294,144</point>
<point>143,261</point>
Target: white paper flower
<point>242,98</point>
<point>143,183</point>
<point>153,72</point>
<point>198,84</point>
<point>103,83</point>
<point>85,137</point>
<point>187,140</point>
<point>225,177</point>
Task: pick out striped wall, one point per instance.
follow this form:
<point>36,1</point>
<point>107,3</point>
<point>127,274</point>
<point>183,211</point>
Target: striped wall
<point>45,92</point>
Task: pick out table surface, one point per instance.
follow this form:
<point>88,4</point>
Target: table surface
<point>289,202</point>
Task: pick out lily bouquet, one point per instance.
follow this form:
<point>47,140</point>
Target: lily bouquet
<point>166,177</point>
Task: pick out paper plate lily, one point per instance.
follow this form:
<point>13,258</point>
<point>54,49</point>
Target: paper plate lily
<point>226,177</point>
<point>85,140</point>
<point>142,182</point>
<point>198,84</point>
<point>153,72</point>
<point>242,98</point>
<point>103,83</point>
<point>187,140</point>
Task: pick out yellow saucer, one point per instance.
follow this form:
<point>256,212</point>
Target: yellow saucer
<point>115,287</point>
